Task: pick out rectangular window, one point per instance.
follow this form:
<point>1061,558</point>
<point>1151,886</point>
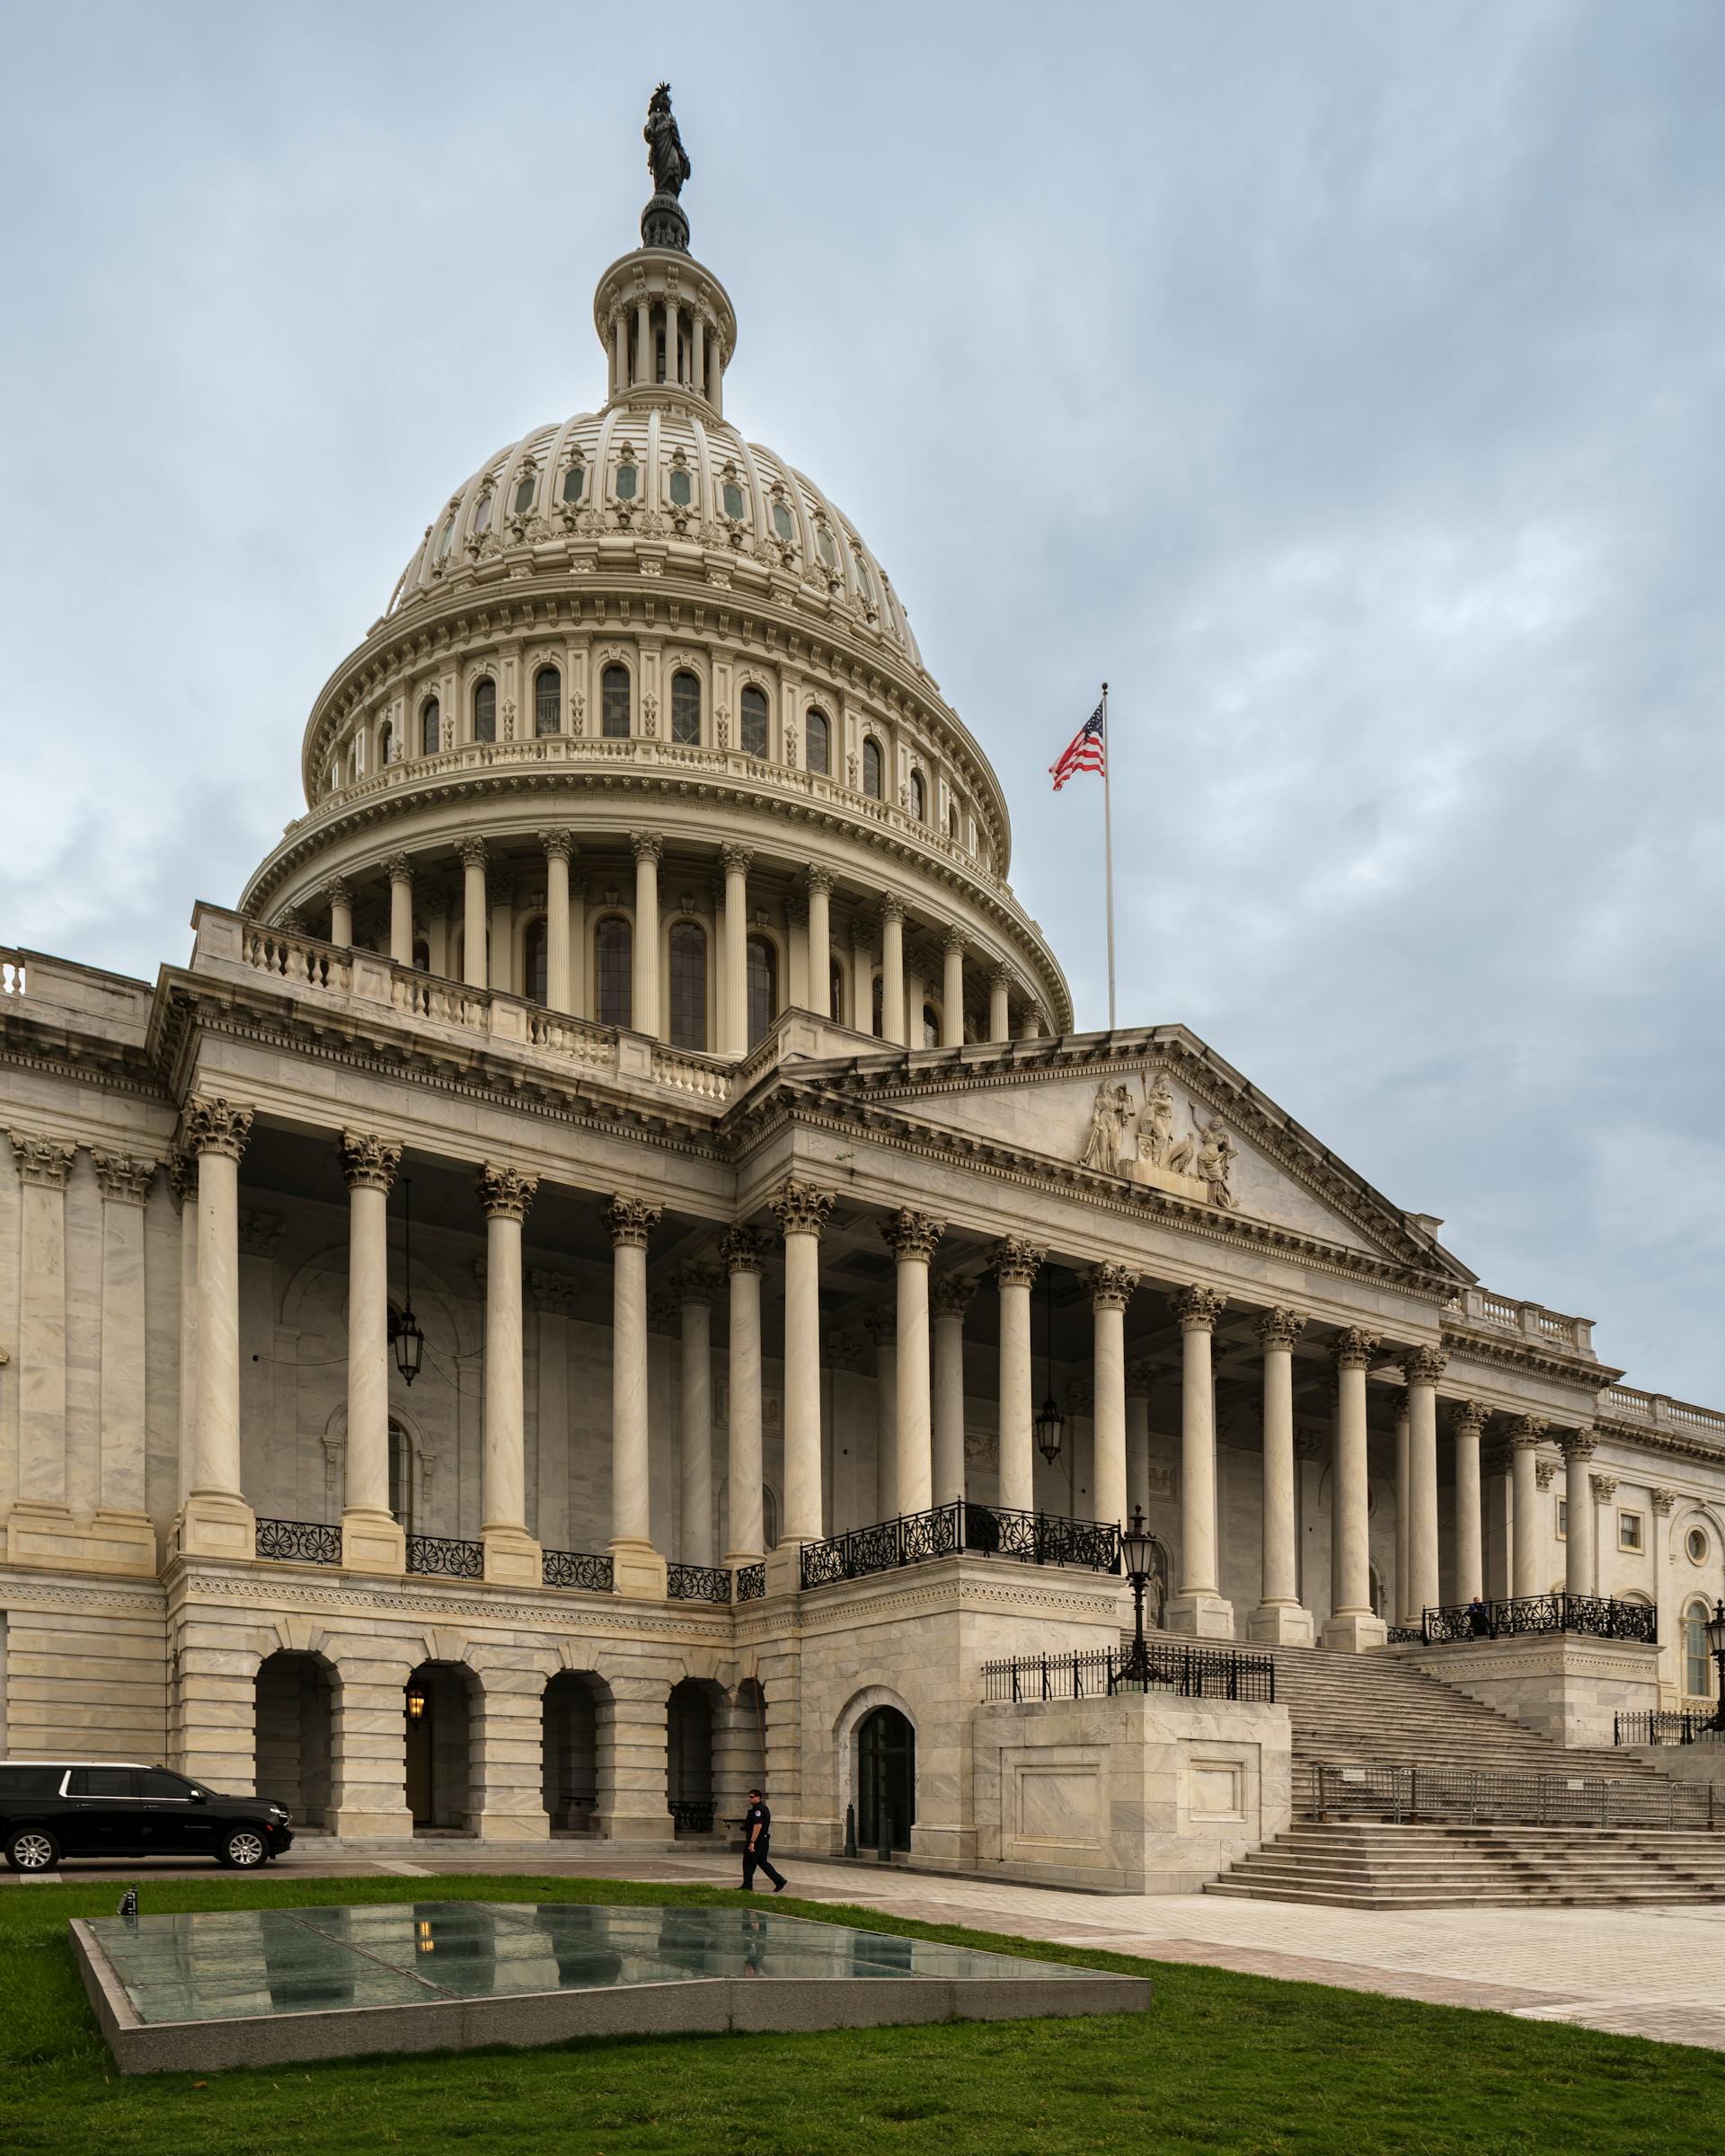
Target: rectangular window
<point>1562,1519</point>
<point>1629,1530</point>
<point>102,1781</point>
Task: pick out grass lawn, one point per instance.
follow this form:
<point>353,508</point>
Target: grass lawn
<point>1223,2062</point>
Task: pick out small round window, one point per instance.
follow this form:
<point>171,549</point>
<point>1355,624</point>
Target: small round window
<point>783,522</point>
<point>524,494</point>
<point>682,490</point>
<point>572,479</point>
<point>1695,1543</point>
<point>625,483</point>
<point>733,501</point>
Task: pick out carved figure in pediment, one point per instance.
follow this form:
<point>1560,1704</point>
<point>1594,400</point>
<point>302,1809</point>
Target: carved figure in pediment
<point>1110,1114</point>
<point>1215,1157</point>
<point>1156,1122</point>
<point>1182,1154</point>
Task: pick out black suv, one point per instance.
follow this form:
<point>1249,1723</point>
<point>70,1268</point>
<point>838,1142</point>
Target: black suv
<point>52,1808</point>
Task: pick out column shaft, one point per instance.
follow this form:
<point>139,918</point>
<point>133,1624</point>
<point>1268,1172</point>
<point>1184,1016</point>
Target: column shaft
<point>1016,1264</point>
<point>475,918</point>
<point>892,974</point>
<point>367,1461</point>
<point>1197,1455</point>
<point>1137,1450</point>
<point>820,946</point>
<point>1469,1420</point>
<point>801,1210</point>
<point>216,1520</point>
<point>1403,1599</point>
<point>950,1302</point>
<point>1581,1570</point>
<point>1422,1369</point>
<point>885,1335</point>
<point>1000,1023</point>
<point>1525,1577</point>
<point>952,996</point>
<point>1110,1287</point>
<point>644,995</point>
<point>1278,1615</point>
<point>862,981</point>
<point>697,1428</point>
<point>512,1557</point>
<point>557,982</point>
<point>743,1250</point>
<point>735,1038</point>
<point>401,913</point>
<point>913,1237</point>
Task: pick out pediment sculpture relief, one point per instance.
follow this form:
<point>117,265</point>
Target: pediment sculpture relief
<point>1135,1140</point>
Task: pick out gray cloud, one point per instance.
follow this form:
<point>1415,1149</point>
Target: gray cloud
<point>1340,383</point>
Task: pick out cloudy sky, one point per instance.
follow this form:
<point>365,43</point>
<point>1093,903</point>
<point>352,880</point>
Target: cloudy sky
<point>1341,381</point>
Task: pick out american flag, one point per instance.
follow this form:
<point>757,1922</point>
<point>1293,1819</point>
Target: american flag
<point>1087,751</point>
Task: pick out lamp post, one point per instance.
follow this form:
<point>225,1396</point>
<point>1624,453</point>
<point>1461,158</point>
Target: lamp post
<point>1135,1545</point>
<point>1716,1644</point>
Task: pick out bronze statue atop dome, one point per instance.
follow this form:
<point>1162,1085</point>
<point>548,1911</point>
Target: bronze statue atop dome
<point>662,221</point>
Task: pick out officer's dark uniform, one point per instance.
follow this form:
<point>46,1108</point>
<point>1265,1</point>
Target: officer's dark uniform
<point>757,1837</point>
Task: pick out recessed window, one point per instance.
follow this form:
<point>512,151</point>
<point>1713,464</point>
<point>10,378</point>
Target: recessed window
<point>431,727</point>
<point>682,489</point>
<point>547,701</point>
<point>931,1027</point>
<point>871,768</point>
<point>1562,1519</point>
<point>613,945</point>
<point>1695,1543</point>
<point>525,492</point>
<point>685,710</point>
<point>763,988</point>
<point>483,514</point>
<point>817,741</point>
<point>953,822</point>
<point>484,711</point>
<point>754,722</point>
<point>688,986</point>
<point>1629,1530</point>
<point>861,568</point>
<point>534,960</point>
<point>919,798</point>
<point>446,537</point>
<point>783,522</point>
<point>625,483</point>
<point>733,501</point>
<point>574,479</point>
<point>386,743</point>
<point>1697,1663</point>
<point>835,992</point>
<point>828,552</point>
<point>614,703</point>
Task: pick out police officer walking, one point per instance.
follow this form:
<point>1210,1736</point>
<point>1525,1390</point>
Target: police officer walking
<point>757,1839</point>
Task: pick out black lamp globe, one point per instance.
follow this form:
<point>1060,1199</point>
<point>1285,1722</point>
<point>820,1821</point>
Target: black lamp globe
<point>410,1345</point>
<point>1716,1629</point>
<point>1050,1427</point>
<point>1135,1545</point>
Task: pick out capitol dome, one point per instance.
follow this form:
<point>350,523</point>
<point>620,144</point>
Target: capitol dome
<point>644,736</point>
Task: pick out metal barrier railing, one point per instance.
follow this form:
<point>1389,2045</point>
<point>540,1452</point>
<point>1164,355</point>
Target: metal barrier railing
<point>1026,1538</point>
<point>1446,1796</point>
<point>1666,1725</point>
<point>1600,1616</point>
<point>1193,1673</point>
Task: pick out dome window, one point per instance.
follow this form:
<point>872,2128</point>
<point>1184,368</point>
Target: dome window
<point>573,480</point>
<point>753,726</point>
<point>685,712</point>
<point>614,703</point>
<point>386,743</point>
<point>733,501</point>
<point>525,491</point>
<point>689,985</point>
<point>535,960</point>
<point>446,537</point>
<point>682,490</point>
<point>763,988</point>
<point>784,524</point>
<point>483,514</point>
<point>430,726</point>
<point>828,552</point>
<point>919,798</point>
<point>817,741</point>
<point>547,701</point>
<point>484,711</point>
<point>872,768</point>
<point>613,948</point>
<point>625,483</point>
<point>861,568</point>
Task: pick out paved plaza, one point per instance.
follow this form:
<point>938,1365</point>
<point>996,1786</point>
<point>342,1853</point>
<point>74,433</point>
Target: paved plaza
<point>1656,1970</point>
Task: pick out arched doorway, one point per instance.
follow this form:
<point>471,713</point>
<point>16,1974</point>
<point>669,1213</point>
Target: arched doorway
<point>438,1708</point>
<point>571,1751</point>
<point>886,1779</point>
<point>688,1744</point>
<point>295,1710</point>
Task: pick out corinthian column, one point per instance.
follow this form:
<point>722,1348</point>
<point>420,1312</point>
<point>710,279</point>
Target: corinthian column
<point>475,918</point>
<point>912,1237</point>
<point>217,1520</point>
<point>512,1557</point>
<point>1198,1607</point>
<point>41,1519</point>
<point>1000,1021</point>
<point>1579,1578</point>
<point>1015,1264</point>
<point>1421,1367</point>
<point>948,1298</point>
<point>121,1530</point>
<point>1279,1616</point>
<point>892,973</point>
<point>1109,1288</point>
<point>802,1211</point>
<point>744,1252</point>
<point>1525,1434</point>
<point>1468,1419</point>
<point>952,989</point>
<point>372,1538</point>
<point>339,894</point>
<point>696,1285</point>
<point>1351,1624</point>
<point>820,944</point>
<point>733,1039</point>
<point>559,846</point>
<point>639,1571</point>
<point>399,870</point>
<point>644,995</point>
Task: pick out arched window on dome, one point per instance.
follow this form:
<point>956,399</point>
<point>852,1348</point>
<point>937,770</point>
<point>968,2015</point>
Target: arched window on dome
<point>763,988</point>
<point>688,986</point>
<point>483,513</point>
<point>626,481</point>
<point>386,744</point>
<point>547,701</point>
<point>835,993</point>
<point>1697,1662</point>
<point>931,1027</point>
<point>614,703</point>
<point>685,709</point>
<point>574,480</point>
<point>754,721</point>
<point>682,487</point>
<point>919,798</point>
<point>446,536</point>
<point>828,552</point>
<point>527,487</point>
<point>872,767</point>
<point>817,741</point>
<point>613,948</point>
<point>953,822</point>
<point>534,960</point>
<point>430,726</point>
<point>484,711</point>
<point>734,500</point>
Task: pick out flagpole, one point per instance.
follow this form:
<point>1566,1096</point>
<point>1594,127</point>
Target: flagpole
<point>1108,853</point>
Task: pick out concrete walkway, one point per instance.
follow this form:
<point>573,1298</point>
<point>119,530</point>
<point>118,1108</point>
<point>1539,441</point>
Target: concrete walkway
<point>1656,1972</point>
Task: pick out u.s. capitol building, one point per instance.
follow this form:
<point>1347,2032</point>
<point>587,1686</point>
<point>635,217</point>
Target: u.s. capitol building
<point>637,1043</point>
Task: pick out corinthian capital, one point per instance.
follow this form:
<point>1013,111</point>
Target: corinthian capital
<point>695,1283</point>
<point>1109,1286</point>
<point>819,879</point>
<point>216,1126</point>
<point>123,1176</point>
<point>1197,1308</point>
<point>801,1208</point>
<point>559,845</point>
<point>399,868</point>
<point>629,1222</point>
<point>505,1193</point>
<point>647,845</point>
<point>1468,1418</point>
<point>1280,1328</point>
<point>1575,1444</point>
<point>736,860</point>
<point>472,853</point>
<point>1525,1432</point>
<point>368,1161</point>
<point>909,1234</point>
<point>743,1250</point>
<point>1016,1262</point>
<point>45,1161</point>
<point>1354,1347</point>
<point>1423,1366</point>
<point>949,1294</point>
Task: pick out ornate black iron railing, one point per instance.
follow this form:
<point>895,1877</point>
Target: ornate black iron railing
<point>577,1569</point>
<point>299,1541</point>
<point>1406,1635</point>
<point>751,1583</point>
<point>1666,1725</point>
<point>914,1538</point>
<point>438,1553</point>
<point>1597,1615</point>
<point>691,1815</point>
<point>698,1583</point>
<point>1408,1794</point>
<point>1194,1673</point>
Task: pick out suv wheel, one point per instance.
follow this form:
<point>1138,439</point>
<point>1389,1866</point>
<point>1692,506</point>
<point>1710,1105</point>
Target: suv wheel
<point>244,1848</point>
<point>32,1849</point>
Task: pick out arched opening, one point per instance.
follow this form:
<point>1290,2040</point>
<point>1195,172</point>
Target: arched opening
<point>763,988</point>
<point>688,986</point>
<point>402,1491</point>
<point>535,961</point>
<point>872,769</point>
<point>919,798</point>
<point>931,1027</point>
<point>952,823</point>
<point>294,1718</point>
<point>422,954</point>
<point>614,703</point>
<point>571,1776</point>
<point>547,701</point>
<point>484,711</point>
<point>877,1008</point>
<point>688,1741</point>
<point>438,1711</point>
<point>886,1779</point>
<point>835,992</point>
<point>612,945</point>
<point>386,744</point>
<point>685,709</point>
<point>754,721</point>
<point>1697,1662</point>
<point>817,741</point>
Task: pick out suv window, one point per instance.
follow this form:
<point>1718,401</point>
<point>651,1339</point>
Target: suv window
<point>102,1781</point>
<point>30,1782</point>
<point>157,1782</point>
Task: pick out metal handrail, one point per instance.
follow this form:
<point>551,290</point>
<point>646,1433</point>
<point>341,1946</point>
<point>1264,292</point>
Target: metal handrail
<point>1034,1538</point>
<point>1408,1796</point>
<point>1666,1726</point>
<point>299,1541</point>
<point>1599,1616</point>
<point>1190,1673</point>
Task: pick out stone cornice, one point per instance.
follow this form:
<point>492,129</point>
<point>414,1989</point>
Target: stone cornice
<point>1505,1352</point>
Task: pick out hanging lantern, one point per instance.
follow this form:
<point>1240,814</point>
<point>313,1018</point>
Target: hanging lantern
<point>415,1703</point>
<point>404,1330</point>
<point>1050,1427</point>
